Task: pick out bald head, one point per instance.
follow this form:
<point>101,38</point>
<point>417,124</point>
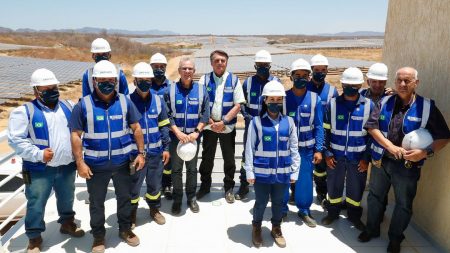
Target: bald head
<point>406,82</point>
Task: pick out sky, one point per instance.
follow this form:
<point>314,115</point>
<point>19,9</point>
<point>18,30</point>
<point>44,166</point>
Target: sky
<point>240,17</point>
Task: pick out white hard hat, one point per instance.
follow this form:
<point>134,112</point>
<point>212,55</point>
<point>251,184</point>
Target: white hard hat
<point>352,75</point>
<point>100,45</point>
<point>319,60</point>
<point>104,69</point>
<point>158,58</point>
<point>273,88</point>
<point>263,56</point>
<point>187,151</point>
<point>378,71</point>
<point>43,77</point>
<point>142,70</point>
<point>300,64</point>
<point>417,139</point>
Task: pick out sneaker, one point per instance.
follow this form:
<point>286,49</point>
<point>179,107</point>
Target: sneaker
<point>327,220</point>
<point>167,191</point>
<point>256,236</point>
<point>34,245</point>
<point>242,192</point>
<point>98,246</point>
<point>157,216</point>
<point>130,238</point>
<point>308,220</point>
<point>278,236</point>
<point>229,197</point>
<point>69,227</point>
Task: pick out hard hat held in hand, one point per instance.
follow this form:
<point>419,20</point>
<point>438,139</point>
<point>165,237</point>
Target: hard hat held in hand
<point>263,56</point>
<point>143,70</point>
<point>300,64</point>
<point>104,69</point>
<point>273,88</point>
<point>319,60</point>
<point>158,58</point>
<point>43,77</point>
<point>187,151</point>
<point>378,71</point>
<point>100,45</point>
<point>417,139</point>
<point>352,75</point>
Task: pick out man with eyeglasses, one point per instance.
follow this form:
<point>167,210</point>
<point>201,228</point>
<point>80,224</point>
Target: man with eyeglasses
<point>226,96</point>
<point>101,50</point>
<point>400,114</point>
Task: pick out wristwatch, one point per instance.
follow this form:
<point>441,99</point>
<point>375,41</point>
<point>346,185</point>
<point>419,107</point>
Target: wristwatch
<point>430,152</point>
<point>196,130</point>
<point>143,153</point>
<point>225,122</point>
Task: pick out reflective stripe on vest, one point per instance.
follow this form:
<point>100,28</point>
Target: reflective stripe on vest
<point>350,139</point>
<point>186,117</point>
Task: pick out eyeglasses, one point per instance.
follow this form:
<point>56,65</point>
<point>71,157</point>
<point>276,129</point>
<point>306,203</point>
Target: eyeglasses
<point>407,81</point>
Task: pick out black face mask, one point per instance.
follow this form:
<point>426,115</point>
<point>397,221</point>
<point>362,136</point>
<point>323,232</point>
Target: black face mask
<point>106,88</point>
<point>300,83</point>
<point>275,107</point>
<point>144,85</point>
<point>350,91</point>
<point>159,73</point>
<point>263,71</point>
<point>49,97</point>
<point>101,57</point>
<point>319,76</point>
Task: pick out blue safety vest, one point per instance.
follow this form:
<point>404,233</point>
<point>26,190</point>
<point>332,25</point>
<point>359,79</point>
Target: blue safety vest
<point>149,123</point>
<point>186,108</point>
<point>228,93</point>
<point>415,117</point>
<point>106,133</point>
<point>272,159</point>
<point>348,136</point>
<point>38,129</point>
<point>328,92</point>
<point>161,90</point>
<point>254,86</point>
<point>303,114</point>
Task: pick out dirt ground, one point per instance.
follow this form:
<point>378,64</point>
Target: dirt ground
<point>368,54</point>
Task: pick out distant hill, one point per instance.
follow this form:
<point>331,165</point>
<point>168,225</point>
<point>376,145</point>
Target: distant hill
<point>352,34</point>
<point>92,30</point>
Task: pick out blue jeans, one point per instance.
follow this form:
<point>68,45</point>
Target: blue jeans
<point>61,179</point>
<point>262,193</point>
<point>97,188</point>
<point>152,173</point>
<point>404,182</point>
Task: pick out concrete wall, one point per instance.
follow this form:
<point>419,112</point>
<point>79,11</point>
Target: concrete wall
<point>418,35</point>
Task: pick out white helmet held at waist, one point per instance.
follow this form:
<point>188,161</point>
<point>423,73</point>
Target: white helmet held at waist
<point>417,139</point>
<point>263,56</point>
<point>100,45</point>
<point>43,77</point>
<point>187,151</point>
<point>352,75</point>
<point>378,71</point>
<point>319,60</point>
<point>142,70</point>
<point>300,64</point>
<point>104,69</point>
<point>158,58</point>
<point>273,88</point>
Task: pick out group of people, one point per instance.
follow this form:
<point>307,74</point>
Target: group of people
<point>293,139</point>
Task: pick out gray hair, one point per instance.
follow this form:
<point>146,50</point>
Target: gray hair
<point>416,73</point>
<point>186,59</point>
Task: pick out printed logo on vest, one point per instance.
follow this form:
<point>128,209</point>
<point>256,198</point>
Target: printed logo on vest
<point>415,119</point>
<point>179,102</point>
<point>292,114</point>
<point>38,124</point>
<point>253,94</point>
<point>115,117</point>
<point>357,118</point>
<point>340,117</point>
<point>100,118</point>
<point>267,138</point>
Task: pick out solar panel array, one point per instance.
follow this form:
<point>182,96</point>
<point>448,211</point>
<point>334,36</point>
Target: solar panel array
<point>358,43</point>
<point>15,73</point>
<point>4,46</point>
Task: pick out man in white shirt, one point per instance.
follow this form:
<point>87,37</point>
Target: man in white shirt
<point>225,96</point>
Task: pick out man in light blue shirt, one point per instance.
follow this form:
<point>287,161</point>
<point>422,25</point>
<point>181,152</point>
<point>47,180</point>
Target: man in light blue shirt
<point>38,132</point>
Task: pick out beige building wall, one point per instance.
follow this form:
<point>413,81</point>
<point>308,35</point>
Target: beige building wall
<point>418,35</point>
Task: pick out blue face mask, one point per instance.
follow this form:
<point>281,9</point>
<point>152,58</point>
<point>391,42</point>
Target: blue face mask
<point>144,85</point>
<point>263,71</point>
<point>350,91</point>
<point>106,88</point>
<point>319,76</point>
<point>300,83</point>
<point>101,57</point>
<point>49,97</point>
<point>159,73</point>
<point>275,107</point>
